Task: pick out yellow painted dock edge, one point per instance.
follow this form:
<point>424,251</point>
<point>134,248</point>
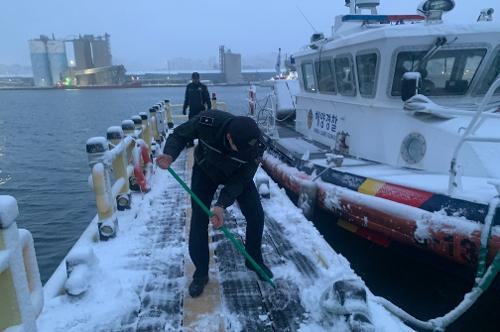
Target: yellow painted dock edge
<point>209,304</point>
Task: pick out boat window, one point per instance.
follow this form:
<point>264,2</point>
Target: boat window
<point>308,77</point>
<point>447,72</point>
<point>492,73</point>
<point>366,65</point>
<point>344,74</point>
<point>326,78</point>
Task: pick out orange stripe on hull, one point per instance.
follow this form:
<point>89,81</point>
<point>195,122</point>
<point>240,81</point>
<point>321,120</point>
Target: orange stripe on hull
<point>370,220</point>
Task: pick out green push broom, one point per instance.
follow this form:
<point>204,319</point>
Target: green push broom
<point>239,246</point>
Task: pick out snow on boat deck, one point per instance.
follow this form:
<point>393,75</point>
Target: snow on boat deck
<point>474,189</point>
<point>140,281</point>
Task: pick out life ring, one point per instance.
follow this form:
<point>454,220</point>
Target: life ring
<point>142,164</point>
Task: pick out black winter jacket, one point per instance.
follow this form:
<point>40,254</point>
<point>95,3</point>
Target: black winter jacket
<point>196,98</point>
<point>214,155</point>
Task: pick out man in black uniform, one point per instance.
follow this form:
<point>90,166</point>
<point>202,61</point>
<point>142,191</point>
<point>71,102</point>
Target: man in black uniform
<point>228,153</point>
<point>197,97</point>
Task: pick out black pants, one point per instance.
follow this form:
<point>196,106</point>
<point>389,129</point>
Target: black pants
<point>251,208</point>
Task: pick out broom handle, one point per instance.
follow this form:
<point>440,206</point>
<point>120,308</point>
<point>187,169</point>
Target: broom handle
<point>239,246</point>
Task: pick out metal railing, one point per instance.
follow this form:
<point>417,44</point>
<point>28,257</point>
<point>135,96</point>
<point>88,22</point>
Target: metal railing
<point>20,285</point>
<point>119,160</point>
<point>469,136</point>
<point>169,108</point>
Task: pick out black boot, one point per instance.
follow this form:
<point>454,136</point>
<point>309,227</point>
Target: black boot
<point>263,266</point>
<point>197,286</point>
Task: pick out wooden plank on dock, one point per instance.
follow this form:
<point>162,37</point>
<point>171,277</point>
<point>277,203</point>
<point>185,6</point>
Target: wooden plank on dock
<point>202,313</point>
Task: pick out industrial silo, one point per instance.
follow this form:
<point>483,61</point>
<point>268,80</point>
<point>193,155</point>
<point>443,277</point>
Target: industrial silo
<point>40,62</point>
<point>101,52</point>
<point>58,61</point>
<point>83,52</point>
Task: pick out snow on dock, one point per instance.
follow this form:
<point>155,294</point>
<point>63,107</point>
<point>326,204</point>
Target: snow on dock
<point>139,282</point>
<point>140,279</point>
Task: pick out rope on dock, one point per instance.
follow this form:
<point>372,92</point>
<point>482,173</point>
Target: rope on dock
<point>482,283</point>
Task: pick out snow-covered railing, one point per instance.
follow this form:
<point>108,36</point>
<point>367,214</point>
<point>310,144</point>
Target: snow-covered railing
<point>118,163</point>
<point>469,136</point>
<point>172,117</point>
<point>169,108</point>
<point>21,291</point>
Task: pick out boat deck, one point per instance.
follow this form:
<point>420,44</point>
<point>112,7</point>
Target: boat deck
<point>139,281</point>
<point>296,146</point>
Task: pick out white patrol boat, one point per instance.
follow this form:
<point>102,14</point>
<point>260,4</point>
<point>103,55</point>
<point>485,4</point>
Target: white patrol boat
<point>396,129</point>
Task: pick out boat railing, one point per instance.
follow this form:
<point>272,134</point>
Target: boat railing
<point>469,135</point>
<point>20,286</point>
<point>266,113</point>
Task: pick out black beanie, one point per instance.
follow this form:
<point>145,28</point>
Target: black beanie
<point>244,132</point>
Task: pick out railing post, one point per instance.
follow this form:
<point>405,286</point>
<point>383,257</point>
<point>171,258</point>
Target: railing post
<point>20,287</point>
<point>128,130</point>
<point>146,130</point>
<point>154,124</point>
<point>107,220</point>
<point>138,126</point>
<point>160,120</point>
<point>168,114</point>
<point>213,101</point>
<point>124,198</point>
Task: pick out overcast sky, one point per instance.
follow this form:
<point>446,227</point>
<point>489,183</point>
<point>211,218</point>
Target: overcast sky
<point>144,34</point>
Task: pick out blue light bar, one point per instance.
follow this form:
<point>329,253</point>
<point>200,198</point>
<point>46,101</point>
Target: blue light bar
<point>381,18</point>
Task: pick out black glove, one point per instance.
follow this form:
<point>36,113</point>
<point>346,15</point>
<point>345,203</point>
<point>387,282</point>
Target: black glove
<point>183,111</point>
<point>171,124</point>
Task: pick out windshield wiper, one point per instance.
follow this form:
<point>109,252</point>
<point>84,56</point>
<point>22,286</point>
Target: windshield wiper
<point>440,42</point>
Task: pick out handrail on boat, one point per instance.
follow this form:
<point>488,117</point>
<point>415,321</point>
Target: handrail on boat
<point>469,136</point>
<point>20,284</point>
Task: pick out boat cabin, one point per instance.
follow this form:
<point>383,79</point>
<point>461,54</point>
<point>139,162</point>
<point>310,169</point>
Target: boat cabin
<point>403,90</point>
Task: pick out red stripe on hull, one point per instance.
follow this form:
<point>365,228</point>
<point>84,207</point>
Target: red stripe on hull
<point>442,240</point>
<point>407,196</point>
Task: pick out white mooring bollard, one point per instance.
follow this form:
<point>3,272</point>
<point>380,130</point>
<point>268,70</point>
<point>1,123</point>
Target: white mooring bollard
<point>21,289</point>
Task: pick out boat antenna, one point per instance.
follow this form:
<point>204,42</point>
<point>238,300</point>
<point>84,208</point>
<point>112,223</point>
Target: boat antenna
<point>305,18</point>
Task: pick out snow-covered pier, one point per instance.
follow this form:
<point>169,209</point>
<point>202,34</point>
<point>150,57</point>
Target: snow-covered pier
<point>139,279</point>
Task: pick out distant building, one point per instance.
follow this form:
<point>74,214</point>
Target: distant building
<point>93,63</point>
<point>58,62</point>
<point>100,76</point>
<point>230,64</point>
<point>83,52</point>
<point>40,65</point>
<point>101,51</point>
